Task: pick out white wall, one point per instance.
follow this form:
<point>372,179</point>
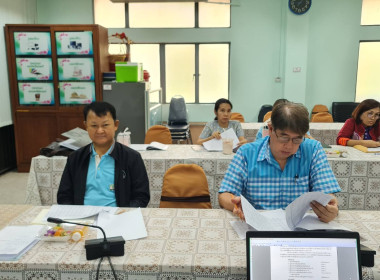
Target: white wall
<point>11,12</point>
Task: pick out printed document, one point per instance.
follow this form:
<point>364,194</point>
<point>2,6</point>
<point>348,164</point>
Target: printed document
<point>17,240</point>
<point>294,217</point>
<point>217,144</point>
<point>77,211</point>
<point>78,138</point>
<point>130,225</point>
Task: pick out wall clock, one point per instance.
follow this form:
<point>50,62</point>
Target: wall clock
<point>299,7</point>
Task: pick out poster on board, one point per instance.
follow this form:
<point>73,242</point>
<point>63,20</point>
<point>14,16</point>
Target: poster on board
<point>76,69</point>
<point>36,93</point>
<point>74,43</point>
<point>76,92</point>
<point>34,68</point>
<point>32,43</point>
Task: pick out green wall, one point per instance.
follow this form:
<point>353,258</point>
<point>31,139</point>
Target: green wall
<point>65,11</point>
<point>267,41</point>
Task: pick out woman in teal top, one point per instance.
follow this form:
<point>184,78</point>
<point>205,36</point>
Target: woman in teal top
<point>221,123</point>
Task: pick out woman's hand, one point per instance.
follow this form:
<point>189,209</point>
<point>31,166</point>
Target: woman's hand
<point>371,143</point>
<point>216,135</point>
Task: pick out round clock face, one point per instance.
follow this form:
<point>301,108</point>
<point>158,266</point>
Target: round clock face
<point>299,7</point>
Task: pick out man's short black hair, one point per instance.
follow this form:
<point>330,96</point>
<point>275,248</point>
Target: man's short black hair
<point>100,108</point>
<point>290,116</point>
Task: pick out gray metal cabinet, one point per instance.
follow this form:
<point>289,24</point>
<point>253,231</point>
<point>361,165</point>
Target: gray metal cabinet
<point>137,107</point>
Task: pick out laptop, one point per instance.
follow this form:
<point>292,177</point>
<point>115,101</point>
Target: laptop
<point>294,255</point>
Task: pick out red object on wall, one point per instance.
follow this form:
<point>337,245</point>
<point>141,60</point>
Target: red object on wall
<point>146,76</point>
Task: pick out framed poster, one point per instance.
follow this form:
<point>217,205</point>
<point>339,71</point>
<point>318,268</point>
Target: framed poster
<point>75,69</point>
<point>76,92</point>
<point>72,43</point>
<point>34,68</point>
<point>32,43</point>
<point>36,93</point>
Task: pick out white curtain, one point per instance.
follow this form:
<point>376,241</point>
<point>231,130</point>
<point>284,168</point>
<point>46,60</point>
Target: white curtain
<point>11,12</point>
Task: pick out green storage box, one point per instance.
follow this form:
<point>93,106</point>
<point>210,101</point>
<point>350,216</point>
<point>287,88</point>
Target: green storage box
<point>129,72</point>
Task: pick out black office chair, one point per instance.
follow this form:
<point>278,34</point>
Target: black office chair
<point>177,122</point>
<point>264,109</point>
<point>341,111</point>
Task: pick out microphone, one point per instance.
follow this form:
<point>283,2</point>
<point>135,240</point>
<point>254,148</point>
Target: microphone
<point>97,248</point>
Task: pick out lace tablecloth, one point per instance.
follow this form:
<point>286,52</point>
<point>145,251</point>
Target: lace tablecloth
<point>189,244</point>
<point>358,175</point>
<point>323,132</point>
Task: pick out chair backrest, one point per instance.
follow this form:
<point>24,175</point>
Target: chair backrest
<point>318,108</point>
<point>341,111</point>
<point>267,116</point>
<point>177,110</point>
<point>322,117</point>
<point>185,186</point>
<point>158,133</point>
<point>263,110</point>
<point>237,117</point>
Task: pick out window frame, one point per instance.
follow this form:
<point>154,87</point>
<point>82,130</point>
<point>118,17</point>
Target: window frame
<point>196,70</point>
<point>196,20</point>
<point>357,68</point>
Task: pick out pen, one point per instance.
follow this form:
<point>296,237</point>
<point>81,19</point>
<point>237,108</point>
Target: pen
<point>235,206</point>
<point>295,178</point>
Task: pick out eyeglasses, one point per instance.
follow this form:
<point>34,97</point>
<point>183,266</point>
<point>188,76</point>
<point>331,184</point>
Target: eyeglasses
<point>286,139</point>
<point>370,115</point>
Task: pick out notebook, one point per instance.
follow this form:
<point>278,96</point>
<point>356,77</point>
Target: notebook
<point>280,255</point>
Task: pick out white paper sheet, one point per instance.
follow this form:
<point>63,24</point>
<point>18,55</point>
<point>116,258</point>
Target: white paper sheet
<point>130,225</point>
<point>297,209</point>
<point>241,228</point>
<point>217,145</point>
<point>373,150</point>
<point>16,240</point>
<point>290,218</point>
<point>77,211</point>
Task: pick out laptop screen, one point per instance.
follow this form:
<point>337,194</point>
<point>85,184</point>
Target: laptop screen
<point>303,255</point>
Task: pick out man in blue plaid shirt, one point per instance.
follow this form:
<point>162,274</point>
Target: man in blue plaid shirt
<point>275,170</point>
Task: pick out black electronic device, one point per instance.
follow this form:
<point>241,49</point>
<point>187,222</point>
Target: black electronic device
<point>367,256</point>
<point>335,253</point>
<point>97,248</point>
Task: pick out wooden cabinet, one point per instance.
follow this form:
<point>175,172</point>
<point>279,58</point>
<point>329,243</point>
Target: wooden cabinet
<point>54,70</point>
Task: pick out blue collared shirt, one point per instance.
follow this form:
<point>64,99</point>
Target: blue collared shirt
<point>100,188</point>
<point>256,175</point>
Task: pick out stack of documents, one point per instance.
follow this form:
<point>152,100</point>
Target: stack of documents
<point>77,138</point>
<point>294,217</point>
<point>17,240</point>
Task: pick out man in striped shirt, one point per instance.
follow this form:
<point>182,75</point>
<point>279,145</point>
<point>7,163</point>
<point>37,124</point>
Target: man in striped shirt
<point>275,170</point>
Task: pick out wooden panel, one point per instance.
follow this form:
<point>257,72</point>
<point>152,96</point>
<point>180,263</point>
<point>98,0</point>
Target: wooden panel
<point>68,121</point>
<point>38,126</point>
<point>33,132</point>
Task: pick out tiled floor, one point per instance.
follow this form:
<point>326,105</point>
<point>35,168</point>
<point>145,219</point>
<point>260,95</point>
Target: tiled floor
<point>13,187</point>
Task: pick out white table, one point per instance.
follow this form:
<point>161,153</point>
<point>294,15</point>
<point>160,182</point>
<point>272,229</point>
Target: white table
<point>358,175</point>
<point>323,132</point>
<point>189,244</point>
